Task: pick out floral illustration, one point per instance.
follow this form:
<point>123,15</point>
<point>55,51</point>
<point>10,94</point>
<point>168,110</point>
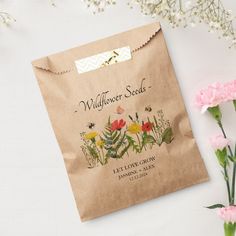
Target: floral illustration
<point>117,124</point>
<point>120,137</point>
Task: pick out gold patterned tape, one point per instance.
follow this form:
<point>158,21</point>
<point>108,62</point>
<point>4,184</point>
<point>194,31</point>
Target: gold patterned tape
<point>103,59</point>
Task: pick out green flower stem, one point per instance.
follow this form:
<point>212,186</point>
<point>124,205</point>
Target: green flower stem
<point>223,131</point>
<point>227,184</point>
<point>234,166</point>
<point>234,102</point>
<point>233,181</point>
<point>229,229</point>
<point>233,184</point>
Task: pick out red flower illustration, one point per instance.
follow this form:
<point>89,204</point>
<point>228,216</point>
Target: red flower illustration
<point>146,127</point>
<point>117,124</point>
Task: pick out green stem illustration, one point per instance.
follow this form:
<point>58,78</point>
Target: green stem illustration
<point>103,156</point>
<point>139,142</point>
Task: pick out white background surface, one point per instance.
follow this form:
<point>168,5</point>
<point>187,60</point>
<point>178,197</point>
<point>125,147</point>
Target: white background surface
<point>35,195</point>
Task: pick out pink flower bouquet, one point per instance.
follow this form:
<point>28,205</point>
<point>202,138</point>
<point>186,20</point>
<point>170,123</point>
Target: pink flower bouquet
<point>210,99</point>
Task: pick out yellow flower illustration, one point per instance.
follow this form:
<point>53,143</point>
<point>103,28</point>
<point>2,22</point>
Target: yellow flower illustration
<point>90,135</point>
<point>100,143</point>
<point>134,128</point>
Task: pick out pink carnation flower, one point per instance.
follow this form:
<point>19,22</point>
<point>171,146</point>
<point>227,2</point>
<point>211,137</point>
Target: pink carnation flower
<point>210,97</point>
<point>230,90</point>
<point>219,142</point>
<point>228,214</point>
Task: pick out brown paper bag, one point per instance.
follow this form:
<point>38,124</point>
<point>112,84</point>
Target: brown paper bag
<point>122,128</point>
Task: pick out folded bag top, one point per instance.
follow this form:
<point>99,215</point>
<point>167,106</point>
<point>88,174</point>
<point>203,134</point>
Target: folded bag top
<point>122,128</point>
<point>64,62</point>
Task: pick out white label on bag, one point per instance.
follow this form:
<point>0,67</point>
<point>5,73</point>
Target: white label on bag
<point>103,59</point>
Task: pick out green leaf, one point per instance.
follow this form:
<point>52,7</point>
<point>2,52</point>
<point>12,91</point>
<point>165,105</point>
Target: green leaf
<point>111,153</point>
<point>107,136</point>
<point>147,138</point>
<point>114,141</point>
<point>167,135</point>
<point>215,206</point>
<point>133,143</point>
<point>114,134</point>
<point>116,138</point>
<point>222,156</point>
<point>215,112</point>
<point>124,151</point>
<point>120,142</point>
<point>93,152</point>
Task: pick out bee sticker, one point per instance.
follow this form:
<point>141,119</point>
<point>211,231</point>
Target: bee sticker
<point>91,125</point>
<point>148,109</point>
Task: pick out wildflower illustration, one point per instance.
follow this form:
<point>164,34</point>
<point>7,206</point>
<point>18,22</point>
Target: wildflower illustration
<point>120,137</point>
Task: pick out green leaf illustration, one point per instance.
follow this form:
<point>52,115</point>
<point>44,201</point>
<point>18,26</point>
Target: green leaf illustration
<point>113,140</point>
<point>125,150</point>
<point>93,152</point>
<point>147,139</point>
<point>167,135</point>
<point>133,144</point>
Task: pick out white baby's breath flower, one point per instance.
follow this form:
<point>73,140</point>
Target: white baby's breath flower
<point>6,18</point>
<point>182,12</point>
